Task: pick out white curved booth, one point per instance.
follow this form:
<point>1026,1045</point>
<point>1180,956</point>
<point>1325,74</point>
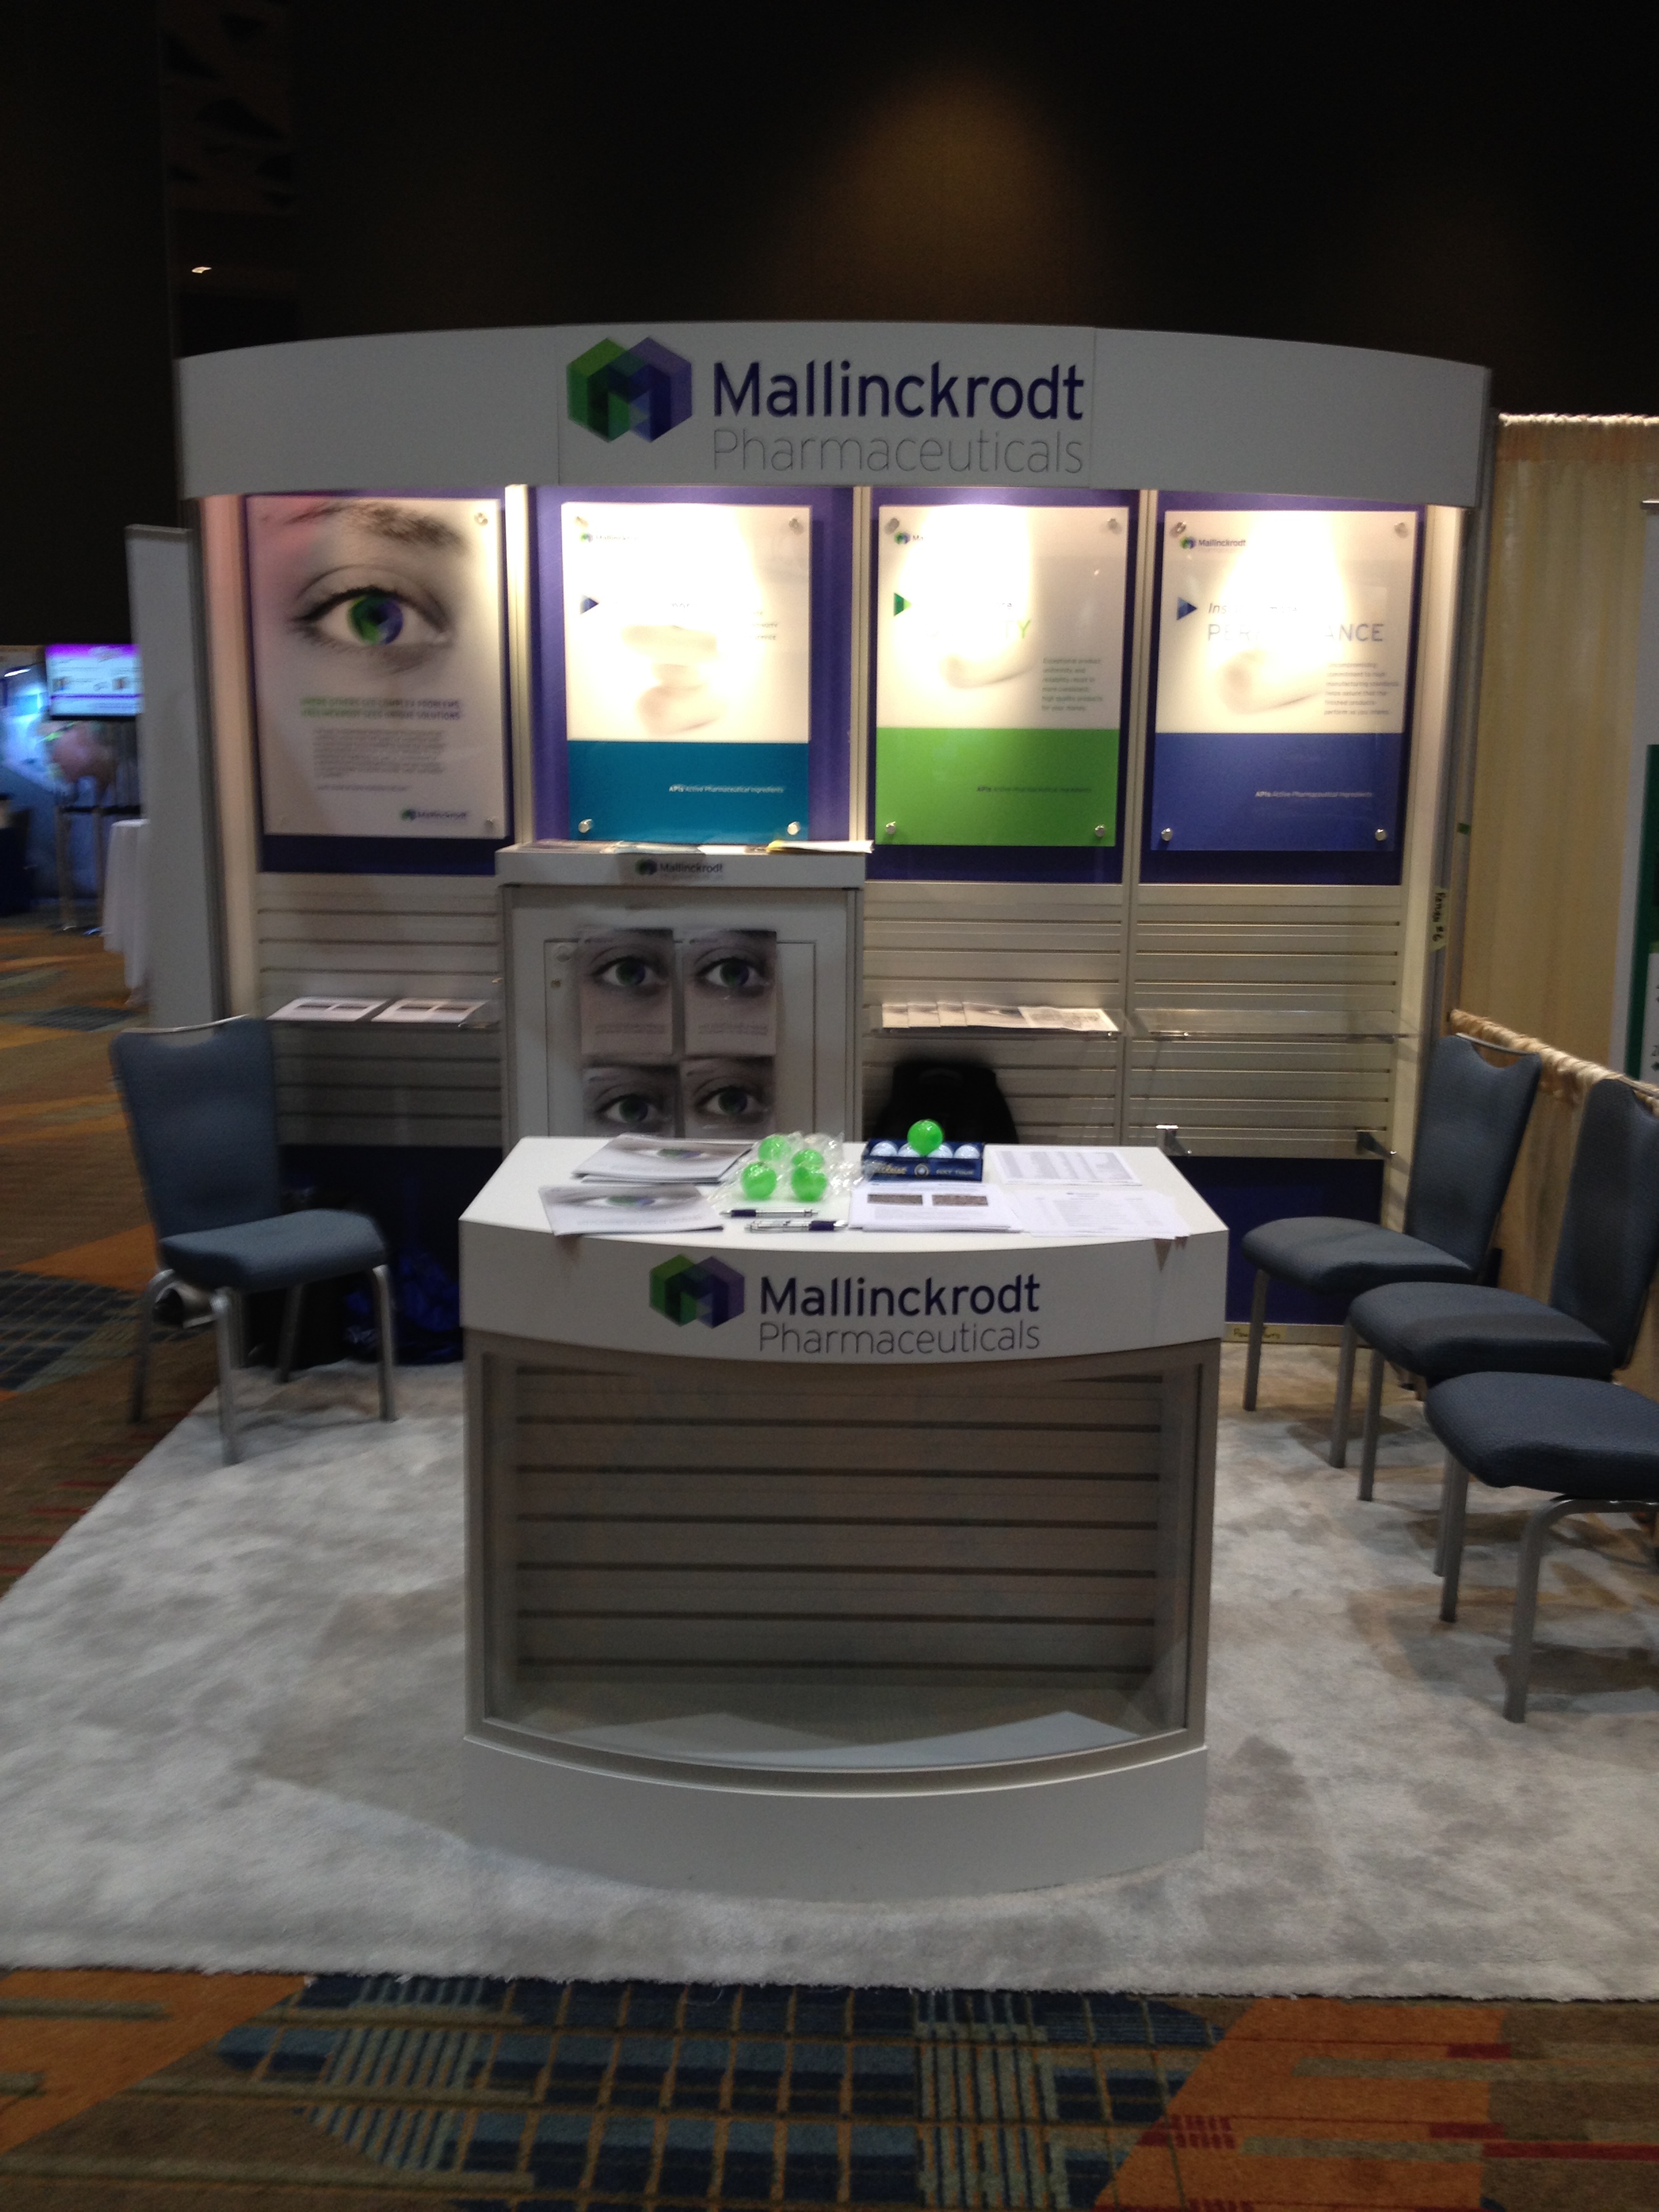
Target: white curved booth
<point>870,1567</point>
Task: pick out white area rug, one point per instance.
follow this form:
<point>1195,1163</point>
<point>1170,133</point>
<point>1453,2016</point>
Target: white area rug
<point>230,1701</point>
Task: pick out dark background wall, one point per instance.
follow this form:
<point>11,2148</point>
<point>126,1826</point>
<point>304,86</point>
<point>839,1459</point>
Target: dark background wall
<point>335,165</point>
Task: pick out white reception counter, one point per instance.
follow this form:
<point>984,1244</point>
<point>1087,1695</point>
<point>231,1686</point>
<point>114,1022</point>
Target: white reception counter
<point>837,1566</point>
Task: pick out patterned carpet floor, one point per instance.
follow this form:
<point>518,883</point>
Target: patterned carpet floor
<point>127,2092</point>
<point>158,2093</point>
<point>75,1246</point>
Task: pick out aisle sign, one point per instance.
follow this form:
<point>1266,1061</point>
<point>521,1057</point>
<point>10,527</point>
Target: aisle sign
<point>1000,645</point>
<point>688,638</point>
<point>377,666</point>
<point>1284,668</point>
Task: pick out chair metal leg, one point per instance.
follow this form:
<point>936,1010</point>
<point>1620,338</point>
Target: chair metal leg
<point>224,1337</point>
<point>1455,1498</point>
<point>157,1283</point>
<point>1373,1424</point>
<point>290,1336</point>
<point>1344,1395</point>
<point>1538,1527</point>
<point>388,1341</point>
<point>1258,1323</point>
<point>1442,1519</point>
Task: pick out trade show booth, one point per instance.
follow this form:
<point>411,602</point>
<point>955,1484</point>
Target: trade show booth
<point>677,734</point>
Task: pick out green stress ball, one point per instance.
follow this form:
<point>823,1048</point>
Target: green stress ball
<point>759,1181</point>
<point>776,1149</point>
<point>925,1137</point>
<point>808,1156</point>
<point>808,1182</point>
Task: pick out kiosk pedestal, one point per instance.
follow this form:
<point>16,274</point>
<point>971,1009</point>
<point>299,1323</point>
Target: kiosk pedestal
<point>857,1566</point>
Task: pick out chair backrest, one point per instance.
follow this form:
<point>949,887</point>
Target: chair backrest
<point>1609,1244</point>
<point>961,1095</point>
<point>1468,1133</point>
<point>203,1106</point>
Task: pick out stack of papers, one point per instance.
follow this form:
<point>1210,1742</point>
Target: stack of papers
<point>888,1207</point>
<point>1063,1210</point>
<point>1077,1164</point>
<point>592,1209</point>
<point>665,1160</point>
<point>971,1014</point>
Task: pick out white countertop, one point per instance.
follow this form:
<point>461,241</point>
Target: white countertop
<point>512,1200</point>
<point>784,1293</point>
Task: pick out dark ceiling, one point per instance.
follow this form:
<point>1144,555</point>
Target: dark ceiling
<point>232,174</point>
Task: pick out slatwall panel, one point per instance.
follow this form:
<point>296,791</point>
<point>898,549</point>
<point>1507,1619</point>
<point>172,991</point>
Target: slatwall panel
<point>1010,944</point>
<point>383,937</point>
<point>1026,1516</point>
<point>1283,947</point>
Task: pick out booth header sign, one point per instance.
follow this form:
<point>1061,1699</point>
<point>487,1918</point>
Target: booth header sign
<point>829,404</point>
<point>911,403</point>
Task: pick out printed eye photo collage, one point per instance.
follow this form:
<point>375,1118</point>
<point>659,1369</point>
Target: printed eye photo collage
<point>679,1037</point>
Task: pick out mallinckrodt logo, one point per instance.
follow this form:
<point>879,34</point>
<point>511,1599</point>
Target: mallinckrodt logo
<point>643,388</point>
<point>708,1291</point>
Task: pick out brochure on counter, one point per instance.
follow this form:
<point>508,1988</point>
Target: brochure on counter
<point>589,1209</point>
<point>663,1160</point>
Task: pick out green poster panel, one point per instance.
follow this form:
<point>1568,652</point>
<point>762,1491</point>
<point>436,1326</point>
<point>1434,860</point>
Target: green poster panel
<point>996,786</point>
<point>1000,646</point>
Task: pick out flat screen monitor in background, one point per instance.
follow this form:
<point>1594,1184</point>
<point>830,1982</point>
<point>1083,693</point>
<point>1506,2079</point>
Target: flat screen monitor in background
<point>90,682</point>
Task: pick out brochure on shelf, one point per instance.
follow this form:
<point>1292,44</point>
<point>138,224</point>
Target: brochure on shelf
<point>433,1014</point>
<point>325,1010</point>
<point>952,1013</point>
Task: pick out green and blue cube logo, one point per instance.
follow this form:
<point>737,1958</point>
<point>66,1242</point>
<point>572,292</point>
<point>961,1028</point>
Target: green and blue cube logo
<point>708,1291</point>
<point>643,388</point>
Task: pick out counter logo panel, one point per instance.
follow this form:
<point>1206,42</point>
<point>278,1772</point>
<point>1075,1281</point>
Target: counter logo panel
<point>685,1289</point>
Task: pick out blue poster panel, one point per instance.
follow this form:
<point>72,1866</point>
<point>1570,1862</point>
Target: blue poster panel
<point>694,669</point>
<point>1285,652</point>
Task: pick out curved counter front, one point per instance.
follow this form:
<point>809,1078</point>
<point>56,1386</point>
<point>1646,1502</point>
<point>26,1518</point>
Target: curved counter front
<point>837,1566</point>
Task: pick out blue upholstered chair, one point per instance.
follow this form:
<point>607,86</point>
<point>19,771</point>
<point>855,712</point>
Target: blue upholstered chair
<point>1473,1119</point>
<point>201,1103</point>
<point>1595,1445</point>
<point>1605,1259</point>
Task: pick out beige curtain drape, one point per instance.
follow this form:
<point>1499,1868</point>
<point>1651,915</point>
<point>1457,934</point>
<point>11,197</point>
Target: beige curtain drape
<point>1556,695</point>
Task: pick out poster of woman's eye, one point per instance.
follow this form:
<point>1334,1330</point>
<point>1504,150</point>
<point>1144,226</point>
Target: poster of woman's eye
<point>377,666</point>
<point>719,1080</point>
<point>625,993</point>
<point>619,1099</point>
<point>726,1097</point>
<point>732,992</point>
